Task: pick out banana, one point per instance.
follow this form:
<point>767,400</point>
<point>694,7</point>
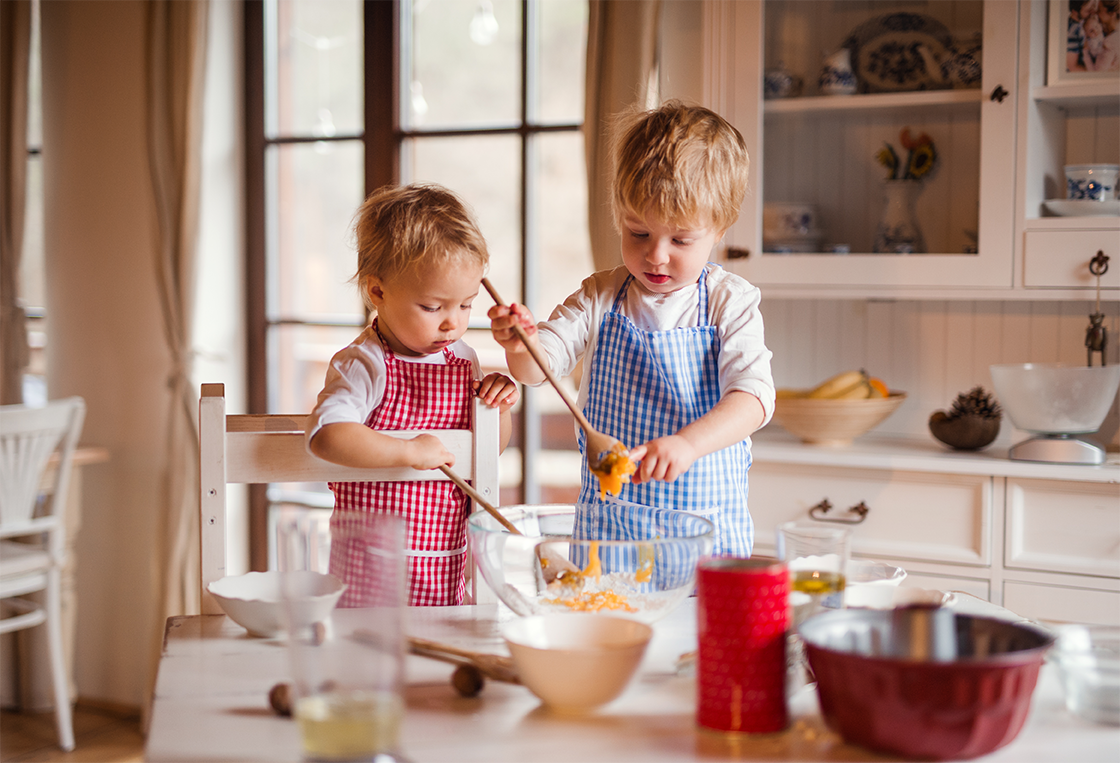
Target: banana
<point>859,391</point>
<point>841,385</point>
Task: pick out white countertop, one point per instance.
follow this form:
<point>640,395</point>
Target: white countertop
<point>211,704</point>
<point>775,445</point>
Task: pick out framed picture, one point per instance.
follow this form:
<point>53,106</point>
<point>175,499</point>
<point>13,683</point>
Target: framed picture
<point>1084,41</point>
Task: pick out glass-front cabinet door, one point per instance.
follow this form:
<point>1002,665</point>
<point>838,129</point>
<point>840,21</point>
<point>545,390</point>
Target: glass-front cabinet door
<point>882,137</point>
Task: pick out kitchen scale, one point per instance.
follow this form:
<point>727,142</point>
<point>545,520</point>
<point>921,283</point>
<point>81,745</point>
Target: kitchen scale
<point>1057,403</point>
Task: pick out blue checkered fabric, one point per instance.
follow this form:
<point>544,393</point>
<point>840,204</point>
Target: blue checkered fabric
<point>649,384</point>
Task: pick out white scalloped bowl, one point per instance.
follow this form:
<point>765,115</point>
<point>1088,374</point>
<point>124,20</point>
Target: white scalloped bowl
<point>255,601</point>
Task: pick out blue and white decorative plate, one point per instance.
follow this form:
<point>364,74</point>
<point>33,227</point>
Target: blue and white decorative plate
<point>888,56</point>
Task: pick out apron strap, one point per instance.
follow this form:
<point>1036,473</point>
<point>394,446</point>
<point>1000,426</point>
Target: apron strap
<point>437,554</point>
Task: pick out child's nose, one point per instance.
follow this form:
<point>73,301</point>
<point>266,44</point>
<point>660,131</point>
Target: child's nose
<point>658,252</point>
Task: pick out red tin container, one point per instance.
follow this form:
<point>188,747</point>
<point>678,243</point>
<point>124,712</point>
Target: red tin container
<point>743,617</point>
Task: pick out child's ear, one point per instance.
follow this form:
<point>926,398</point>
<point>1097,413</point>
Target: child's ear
<point>373,287</point>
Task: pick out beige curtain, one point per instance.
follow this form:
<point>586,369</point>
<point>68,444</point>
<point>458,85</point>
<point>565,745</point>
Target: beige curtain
<point>622,70</point>
<point>15,48</point>
<point>176,65</point>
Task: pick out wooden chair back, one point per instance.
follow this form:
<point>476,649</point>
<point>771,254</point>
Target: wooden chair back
<point>264,448</point>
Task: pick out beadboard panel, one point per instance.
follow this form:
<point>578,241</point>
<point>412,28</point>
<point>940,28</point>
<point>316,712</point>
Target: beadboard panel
<point>934,350</point>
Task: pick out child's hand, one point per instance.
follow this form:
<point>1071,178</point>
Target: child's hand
<point>427,452</point>
<point>497,390</point>
<point>502,321</point>
<point>665,459</point>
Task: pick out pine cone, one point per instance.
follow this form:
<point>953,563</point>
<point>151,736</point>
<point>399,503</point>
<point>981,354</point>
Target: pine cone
<point>971,423</point>
<point>977,402</point>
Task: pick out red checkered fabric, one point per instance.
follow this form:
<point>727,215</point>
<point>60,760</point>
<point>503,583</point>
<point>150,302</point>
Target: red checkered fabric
<point>417,396</point>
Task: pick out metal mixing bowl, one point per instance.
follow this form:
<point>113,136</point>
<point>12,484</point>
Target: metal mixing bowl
<point>924,682</point>
<point>643,577</point>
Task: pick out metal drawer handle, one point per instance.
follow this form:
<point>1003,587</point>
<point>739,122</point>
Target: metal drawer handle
<point>818,513</point>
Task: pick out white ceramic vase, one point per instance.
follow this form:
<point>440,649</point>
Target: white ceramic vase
<point>898,231</point>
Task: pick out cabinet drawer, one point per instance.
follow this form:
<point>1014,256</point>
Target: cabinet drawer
<point>1060,258</point>
<point>1060,526</point>
<point>935,517</point>
<point>1061,603</point>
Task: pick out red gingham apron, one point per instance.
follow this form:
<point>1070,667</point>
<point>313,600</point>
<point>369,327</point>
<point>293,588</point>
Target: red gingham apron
<point>417,396</point>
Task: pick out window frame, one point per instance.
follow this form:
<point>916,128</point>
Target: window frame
<point>384,134</point>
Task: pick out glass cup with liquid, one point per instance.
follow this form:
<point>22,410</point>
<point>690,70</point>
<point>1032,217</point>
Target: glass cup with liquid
<point>348,671</point>
<point>817,558</point>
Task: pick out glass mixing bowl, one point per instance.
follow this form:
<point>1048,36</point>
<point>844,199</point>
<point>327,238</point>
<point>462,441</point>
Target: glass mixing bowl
<point>644,576</point>
<point>1049,398</point>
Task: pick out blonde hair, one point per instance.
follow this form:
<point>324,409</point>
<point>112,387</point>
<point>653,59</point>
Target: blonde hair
<point>400,228</point>
<point>685,164</point>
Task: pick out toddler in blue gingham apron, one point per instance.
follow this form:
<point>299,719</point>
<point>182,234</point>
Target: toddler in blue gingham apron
<point>650,384</point>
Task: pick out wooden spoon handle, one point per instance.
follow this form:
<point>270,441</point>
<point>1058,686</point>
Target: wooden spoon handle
<point>580,418</point>
<point>466,488</point>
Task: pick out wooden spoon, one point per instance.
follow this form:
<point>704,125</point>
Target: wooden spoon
<point>599,445</point>
<point>552,565</point>
<point>466,488</point>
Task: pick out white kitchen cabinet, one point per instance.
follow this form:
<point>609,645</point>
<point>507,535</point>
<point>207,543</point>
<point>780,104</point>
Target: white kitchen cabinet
<point>1040,539</point>
<point>974,209</point>
<point>1060,124</point>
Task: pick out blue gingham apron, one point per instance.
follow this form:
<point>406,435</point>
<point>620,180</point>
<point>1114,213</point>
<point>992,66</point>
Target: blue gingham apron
<point>649,384</point>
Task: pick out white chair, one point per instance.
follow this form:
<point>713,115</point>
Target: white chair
<point>263,448</point>
<point>30,510</point>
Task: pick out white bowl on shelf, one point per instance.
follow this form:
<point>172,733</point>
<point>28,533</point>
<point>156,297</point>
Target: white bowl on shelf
<point>1083,207</point>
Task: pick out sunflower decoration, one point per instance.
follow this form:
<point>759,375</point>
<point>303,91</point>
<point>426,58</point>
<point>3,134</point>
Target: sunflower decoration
<point>921,157</point>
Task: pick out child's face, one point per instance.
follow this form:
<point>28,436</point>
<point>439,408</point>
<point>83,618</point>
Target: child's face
<point>665,257</point>
<point>424,310</point>
<point>1093,27</point>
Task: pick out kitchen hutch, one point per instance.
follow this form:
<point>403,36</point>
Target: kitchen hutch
<point>1041,539</point>
<point>1001,141</point>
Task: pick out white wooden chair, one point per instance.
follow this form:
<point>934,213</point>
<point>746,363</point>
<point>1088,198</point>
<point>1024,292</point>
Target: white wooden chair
<point>255,448</point>
<point>32,499</point>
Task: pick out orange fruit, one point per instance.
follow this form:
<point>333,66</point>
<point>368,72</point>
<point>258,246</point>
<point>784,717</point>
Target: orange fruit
<point>880,388</point>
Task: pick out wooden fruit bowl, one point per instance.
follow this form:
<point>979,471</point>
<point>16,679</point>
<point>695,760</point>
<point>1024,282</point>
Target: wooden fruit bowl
<point>834,422</point>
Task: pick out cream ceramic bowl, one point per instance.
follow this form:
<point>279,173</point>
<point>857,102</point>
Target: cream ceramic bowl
<point>255,601</point>
<point>576,662</point>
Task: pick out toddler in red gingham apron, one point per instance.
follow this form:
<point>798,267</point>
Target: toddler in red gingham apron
<point>421,260</point>
<point>417,396</point>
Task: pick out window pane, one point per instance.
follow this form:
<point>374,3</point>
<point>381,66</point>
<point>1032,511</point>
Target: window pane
<point>315,63</point>
<point>319,187</point>
<point>562,61</point>
<point>485,171</point>
<point>561,218</point>
<point>298,358</point>
<point>465,63</point>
